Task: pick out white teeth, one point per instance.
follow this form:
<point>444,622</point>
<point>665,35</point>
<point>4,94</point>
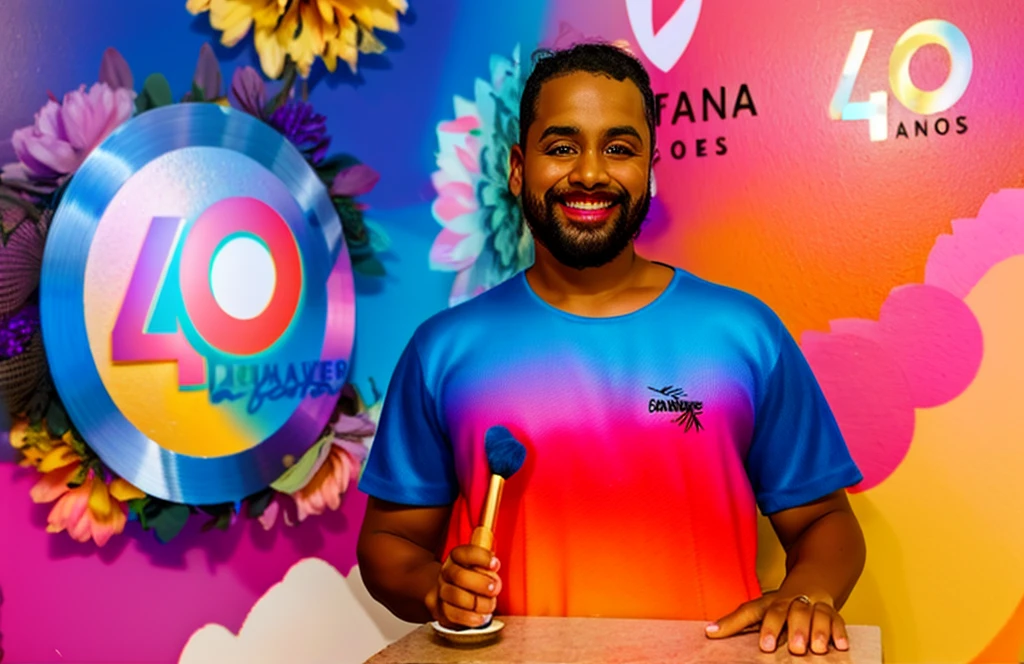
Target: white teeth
<point>588,205</point>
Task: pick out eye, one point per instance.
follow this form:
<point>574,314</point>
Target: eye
<point>622,150</point>
<point>560,150</point>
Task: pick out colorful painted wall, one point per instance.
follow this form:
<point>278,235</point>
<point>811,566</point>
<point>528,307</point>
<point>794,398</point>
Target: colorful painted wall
<point>857,165</point>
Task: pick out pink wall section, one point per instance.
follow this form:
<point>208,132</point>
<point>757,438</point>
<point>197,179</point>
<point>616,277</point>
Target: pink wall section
<point>143,596</point>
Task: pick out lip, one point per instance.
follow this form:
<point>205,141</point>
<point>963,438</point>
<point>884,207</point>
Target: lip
<point>588,209</point>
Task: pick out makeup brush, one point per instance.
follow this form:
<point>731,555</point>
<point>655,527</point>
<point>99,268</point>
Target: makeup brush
<point>505,456</point>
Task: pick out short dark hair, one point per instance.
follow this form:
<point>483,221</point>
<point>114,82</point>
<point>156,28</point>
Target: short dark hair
<point>593,58</point>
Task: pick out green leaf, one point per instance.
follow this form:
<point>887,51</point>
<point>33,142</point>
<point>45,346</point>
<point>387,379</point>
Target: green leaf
<point>169,521</point>
<point>12,201</point>
<point>369,267</point>
<point>197,93</point>
<point>153,507</point>
<point>359,251</point>
<point>7,231</point>
<point>38,404</point>
<point>221,513</point>
<point>156,92</point>
<point>379,239</point>
<point>288,78</point>
<point>351,216</point>
<point>299,474</point>
<point>79,477</point>
<point>165,518</point>
<point>223,522</point>
<point>258,504</point>
<point>138,507</point>
<point>56,419</point>
<point>78,446</point>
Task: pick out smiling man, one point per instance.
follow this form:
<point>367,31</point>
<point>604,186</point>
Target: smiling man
<point>659,411</point>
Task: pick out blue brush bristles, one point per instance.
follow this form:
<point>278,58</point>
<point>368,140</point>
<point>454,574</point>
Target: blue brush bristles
<point>505,454</point>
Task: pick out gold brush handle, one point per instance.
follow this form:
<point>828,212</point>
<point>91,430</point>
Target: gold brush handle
<point>483,538</point>
<point>483,535</point>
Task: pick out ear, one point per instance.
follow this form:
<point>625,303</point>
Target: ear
<point>515,170</point>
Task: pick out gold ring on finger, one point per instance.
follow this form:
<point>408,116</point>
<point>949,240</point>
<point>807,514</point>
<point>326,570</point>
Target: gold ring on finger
<point>805,599</point>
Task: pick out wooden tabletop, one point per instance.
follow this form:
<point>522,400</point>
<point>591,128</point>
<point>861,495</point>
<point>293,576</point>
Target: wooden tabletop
<point>607,640</point>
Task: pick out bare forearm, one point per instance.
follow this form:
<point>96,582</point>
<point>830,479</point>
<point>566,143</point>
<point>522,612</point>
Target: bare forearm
<point>399,574</point>
<point>828,556</point>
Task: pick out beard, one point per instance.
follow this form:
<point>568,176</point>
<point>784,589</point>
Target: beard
<point>583,245</point>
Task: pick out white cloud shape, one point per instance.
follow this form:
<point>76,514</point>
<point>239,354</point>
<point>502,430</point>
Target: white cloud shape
<point>315,614</point>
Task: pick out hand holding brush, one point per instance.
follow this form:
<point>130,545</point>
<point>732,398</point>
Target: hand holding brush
<point>468,586</point>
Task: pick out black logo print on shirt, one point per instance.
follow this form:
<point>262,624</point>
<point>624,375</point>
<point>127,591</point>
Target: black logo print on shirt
<point>676,402</point>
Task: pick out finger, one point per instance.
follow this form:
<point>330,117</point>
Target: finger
<point>474,556</point>
<point>477,583</point>
<point>821,628</point>
<point>748,613</point>
<point>798,626</point>
<point>839,636</point>
<point>772,624</point>
<point>433,602</point>
<point>460,617</point>
<point>462,599</point>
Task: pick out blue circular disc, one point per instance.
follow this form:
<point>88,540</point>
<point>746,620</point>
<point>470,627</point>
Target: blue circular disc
<point>163,406</point>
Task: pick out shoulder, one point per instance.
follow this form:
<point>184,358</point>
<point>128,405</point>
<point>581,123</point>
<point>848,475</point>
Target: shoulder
<point>726,306</point>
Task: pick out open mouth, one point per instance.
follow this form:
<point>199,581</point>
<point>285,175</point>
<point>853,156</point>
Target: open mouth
<point>588,208</point>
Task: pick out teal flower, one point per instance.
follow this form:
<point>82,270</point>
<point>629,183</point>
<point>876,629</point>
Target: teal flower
<point>483,238</point>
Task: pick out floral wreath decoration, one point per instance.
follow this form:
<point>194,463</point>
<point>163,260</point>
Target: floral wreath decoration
<point>90,502</point>
<point>484,239</point>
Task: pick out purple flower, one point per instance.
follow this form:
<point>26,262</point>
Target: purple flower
<point>16,332</point>
<point>114,70</point>
<point>304,127</point>
<point>297,120</point>
<point>249,91</point>
<point>354,181</point>
<point>66,132</point>
<point>207,77</point>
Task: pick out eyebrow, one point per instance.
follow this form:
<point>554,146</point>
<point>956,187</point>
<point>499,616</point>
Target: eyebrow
<point>624,130</point>
<point>569,131</point>
<point>560,130</point>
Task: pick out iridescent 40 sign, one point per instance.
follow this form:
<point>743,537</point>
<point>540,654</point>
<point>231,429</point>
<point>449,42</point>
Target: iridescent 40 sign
<point>197,303</point>
<point>923,102</point>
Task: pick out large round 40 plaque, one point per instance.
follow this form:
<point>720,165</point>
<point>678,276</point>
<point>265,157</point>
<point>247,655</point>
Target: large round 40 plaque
<point>197,303</point>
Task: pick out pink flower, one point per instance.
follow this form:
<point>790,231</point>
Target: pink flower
<point>91,511</point>
<point>332,474</point>
<point>356,180</point>
<point>65,133</point>
<point>277,506</point>
<point>340,467</point>
<point>324,491</point>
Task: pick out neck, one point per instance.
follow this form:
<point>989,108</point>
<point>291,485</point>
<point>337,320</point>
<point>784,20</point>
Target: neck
<point>550,276</point>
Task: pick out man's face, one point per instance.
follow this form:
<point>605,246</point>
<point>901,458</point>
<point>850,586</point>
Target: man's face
<point>584,172</point>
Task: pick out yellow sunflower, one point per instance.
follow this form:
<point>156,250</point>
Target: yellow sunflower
<point>303,29</point>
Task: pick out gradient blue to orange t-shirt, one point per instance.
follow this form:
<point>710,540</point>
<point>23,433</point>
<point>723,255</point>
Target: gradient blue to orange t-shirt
<point>651,440</point>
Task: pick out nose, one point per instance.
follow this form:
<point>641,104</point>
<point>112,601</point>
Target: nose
<point>589,170</point>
